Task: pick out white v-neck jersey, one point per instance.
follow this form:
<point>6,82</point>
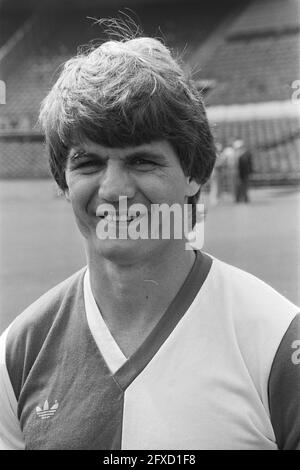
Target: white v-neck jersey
<point>219,371</point>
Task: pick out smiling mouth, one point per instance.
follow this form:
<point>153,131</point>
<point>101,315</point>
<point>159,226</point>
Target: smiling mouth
<point>119,218</point>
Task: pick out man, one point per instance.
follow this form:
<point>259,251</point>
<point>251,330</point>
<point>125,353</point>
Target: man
<point>244,170</point>
<point>230,169</point>
<point>216,179</point>
<point>152,345</point>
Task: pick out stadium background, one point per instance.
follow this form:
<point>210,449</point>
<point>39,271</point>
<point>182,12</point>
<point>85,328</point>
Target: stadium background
<point>244,55</point>
<point>241,52</point>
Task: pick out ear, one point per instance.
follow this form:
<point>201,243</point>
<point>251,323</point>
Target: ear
<point>192,187</point>
<point>67,194</point>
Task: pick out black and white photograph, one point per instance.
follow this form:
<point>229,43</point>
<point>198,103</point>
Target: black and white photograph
<point>149,227</point>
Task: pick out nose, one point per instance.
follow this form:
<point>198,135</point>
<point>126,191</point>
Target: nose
<point>116,181</point>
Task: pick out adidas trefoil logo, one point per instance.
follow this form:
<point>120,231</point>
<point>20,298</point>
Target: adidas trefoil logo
<point>46,412</point>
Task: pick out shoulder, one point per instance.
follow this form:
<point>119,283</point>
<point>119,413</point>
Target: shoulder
<point>44,309</point>
<point>253,304</point>
<point>243,288</point>
<point>46,317</point>
<point>259,317</point>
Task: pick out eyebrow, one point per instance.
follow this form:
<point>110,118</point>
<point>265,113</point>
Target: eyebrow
<point>157,157</point>
<point>83,153</point>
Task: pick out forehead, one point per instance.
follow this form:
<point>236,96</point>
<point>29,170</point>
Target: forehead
<point>159,148</point>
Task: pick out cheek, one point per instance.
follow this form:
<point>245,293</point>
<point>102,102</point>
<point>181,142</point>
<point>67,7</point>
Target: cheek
<point>80,192</point>
<point>175,188</point>
<point>166,193</point>
<point>169,187</point>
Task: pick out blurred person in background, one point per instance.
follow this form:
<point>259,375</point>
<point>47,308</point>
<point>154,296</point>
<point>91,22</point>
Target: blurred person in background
<point>230,169</point>
<point>244,170</point>
<point>216,179</point>
<point>151,345</point>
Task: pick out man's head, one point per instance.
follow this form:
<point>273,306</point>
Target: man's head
<point>238,144</point>
<point>127,93</point>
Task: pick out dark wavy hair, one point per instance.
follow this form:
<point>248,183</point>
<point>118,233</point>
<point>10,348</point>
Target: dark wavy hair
<point>127,92</point>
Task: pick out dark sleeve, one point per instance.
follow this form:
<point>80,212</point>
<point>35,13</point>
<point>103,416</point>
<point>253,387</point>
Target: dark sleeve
<point>284,389</point>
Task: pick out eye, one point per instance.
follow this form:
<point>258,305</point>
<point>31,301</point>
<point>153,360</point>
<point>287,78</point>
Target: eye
<point>87,163</point>
<point>143,163</point>
<point>83,163</point>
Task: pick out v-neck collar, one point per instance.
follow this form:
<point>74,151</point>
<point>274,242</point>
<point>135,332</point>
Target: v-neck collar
<point>105,341</point>
<point>126,370</point>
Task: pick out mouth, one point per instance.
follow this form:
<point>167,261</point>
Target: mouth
<point>118,218</point>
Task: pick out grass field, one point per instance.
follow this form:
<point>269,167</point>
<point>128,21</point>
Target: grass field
<point>40,244</point>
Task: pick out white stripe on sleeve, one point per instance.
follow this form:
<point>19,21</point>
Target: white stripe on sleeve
<point>11,437</point>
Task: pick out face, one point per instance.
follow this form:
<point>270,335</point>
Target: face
<point>146,174</point>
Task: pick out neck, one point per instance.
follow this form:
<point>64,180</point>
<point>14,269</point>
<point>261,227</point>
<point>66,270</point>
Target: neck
<point>135,296</point>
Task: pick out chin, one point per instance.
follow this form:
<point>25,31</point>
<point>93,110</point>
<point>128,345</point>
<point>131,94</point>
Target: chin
<point>128,251</point>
